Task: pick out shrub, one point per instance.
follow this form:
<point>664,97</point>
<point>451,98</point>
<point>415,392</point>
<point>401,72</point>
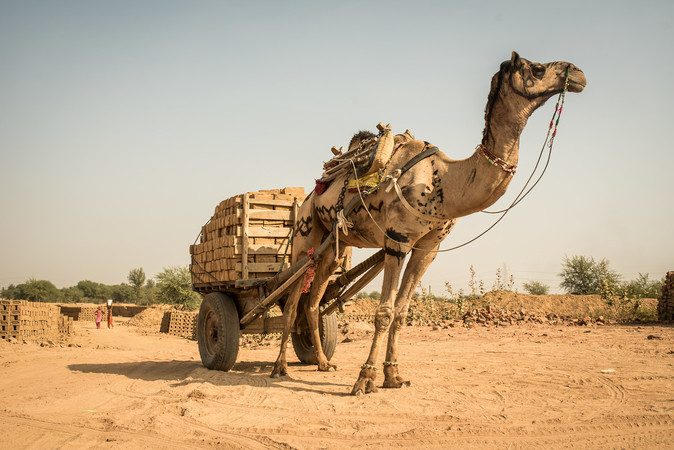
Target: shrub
<point>536,288</point>
<point>584,276</point>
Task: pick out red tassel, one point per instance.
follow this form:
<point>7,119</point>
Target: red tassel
<point>321,186</point>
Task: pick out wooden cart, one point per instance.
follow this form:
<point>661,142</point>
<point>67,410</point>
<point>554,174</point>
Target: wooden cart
<point>241,268</point>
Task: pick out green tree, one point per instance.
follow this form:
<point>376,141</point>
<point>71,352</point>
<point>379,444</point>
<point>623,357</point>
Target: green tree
<point>93,290</point>
<point>583,275</point>
<point>121,293</point>
<point>40,291</point>
<point>12,292</point>
<point>72,294</point>
<point>536,288</point>
<point>174,286</point>
<point>137,279</point>
<point>642,287</point>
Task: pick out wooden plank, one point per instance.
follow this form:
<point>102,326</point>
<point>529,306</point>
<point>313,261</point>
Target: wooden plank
<point>259,267</point>
<point>267,249</point>
<point>268,232</point>
<point>264,325</point>
<point>270,202</point>
<point>270,214</point>
<point>244,234</point>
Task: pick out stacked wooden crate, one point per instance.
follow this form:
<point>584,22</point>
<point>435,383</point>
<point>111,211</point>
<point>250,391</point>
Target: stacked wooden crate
<point>32,322</point>
<point>249,236</point>
<point>666,301</point>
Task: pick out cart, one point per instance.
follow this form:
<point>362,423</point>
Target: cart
<point>237,296</point>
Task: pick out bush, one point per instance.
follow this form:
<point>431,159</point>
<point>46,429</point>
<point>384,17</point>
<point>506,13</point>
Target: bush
<point>585,276</point>
<point>536,288</point>
<point>174,286</point>
<point>642,287</point>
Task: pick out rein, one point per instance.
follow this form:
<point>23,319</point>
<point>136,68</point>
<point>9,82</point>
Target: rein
<point>556,115</point>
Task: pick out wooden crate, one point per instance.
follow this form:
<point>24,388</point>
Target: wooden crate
<point>249,236</point>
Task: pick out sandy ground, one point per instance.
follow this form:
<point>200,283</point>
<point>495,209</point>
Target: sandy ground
<point>533,386</point>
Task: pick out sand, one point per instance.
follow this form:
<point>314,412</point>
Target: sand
<point>530,386</point>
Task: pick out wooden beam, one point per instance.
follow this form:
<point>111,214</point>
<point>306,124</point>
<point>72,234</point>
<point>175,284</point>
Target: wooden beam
<point>244,242</point>
<point>355,288</point>
<point>259,308</point>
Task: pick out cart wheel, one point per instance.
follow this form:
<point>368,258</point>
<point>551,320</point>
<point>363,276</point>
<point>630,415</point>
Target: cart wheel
<point>327,330</point>
<point>218,331</point>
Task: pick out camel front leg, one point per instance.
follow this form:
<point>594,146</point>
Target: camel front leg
<point>393,263</point>
<point>421,258</point>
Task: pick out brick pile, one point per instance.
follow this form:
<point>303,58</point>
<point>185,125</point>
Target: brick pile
<point>183,324</point>
<point>88,313</point>
<point>32,322</point>
<point>247,237</point>
<point>666,301</point>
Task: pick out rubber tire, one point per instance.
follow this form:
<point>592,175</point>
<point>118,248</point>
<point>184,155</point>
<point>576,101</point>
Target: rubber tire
<point>218,331</point>
<point>327,331</point>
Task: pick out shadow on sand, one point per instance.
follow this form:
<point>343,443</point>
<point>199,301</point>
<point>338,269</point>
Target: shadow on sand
<point>183,373</point>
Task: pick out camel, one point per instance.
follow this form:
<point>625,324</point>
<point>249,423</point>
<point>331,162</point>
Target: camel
<point>412,212</point>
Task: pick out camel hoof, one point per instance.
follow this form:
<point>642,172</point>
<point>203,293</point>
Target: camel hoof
<point>327,368</point>
<point>274,375</point>
<point>358,393</point>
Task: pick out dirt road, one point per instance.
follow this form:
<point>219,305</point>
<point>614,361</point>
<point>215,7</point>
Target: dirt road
<point>533,386</point>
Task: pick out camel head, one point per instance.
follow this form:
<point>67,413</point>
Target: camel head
<point>533,80</point>
<point>531,83</point>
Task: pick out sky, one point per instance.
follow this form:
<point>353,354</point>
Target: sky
<point>123,124</point>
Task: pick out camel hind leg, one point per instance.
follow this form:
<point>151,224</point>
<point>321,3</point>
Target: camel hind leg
<point>308,234</point>
<point>327,265</point>
<point>420,259</point>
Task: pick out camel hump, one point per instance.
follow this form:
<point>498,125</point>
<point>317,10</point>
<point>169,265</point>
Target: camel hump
<point>384,149</point>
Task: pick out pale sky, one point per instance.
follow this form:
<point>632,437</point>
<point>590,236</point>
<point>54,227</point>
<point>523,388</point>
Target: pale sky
<point>123,124</point>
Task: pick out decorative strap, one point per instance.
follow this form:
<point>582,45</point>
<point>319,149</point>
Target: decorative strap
<point>411,209</point>
<point>496,161</point>
<point>390,363</point>
<point>423,155</point>
<point>368,366</point>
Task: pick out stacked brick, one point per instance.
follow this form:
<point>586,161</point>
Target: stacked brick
<point>32,322</point>
<point>183,324</point>
<point>88,313</point>
<point>248,237</point>
<point>666,302</point>
<point>81,313</point>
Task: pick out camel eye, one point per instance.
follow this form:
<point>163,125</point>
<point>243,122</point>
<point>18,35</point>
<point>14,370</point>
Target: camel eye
<point>538,71</point>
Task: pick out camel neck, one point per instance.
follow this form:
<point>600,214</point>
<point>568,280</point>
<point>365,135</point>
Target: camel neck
<point>475,183</point>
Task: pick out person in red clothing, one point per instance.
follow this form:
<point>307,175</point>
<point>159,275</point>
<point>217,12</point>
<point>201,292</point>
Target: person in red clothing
<point>99,317</point>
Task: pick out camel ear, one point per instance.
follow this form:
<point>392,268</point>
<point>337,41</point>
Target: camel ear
<point>515,60</point>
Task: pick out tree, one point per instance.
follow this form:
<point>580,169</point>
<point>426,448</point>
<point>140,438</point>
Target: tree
<point>137,279</point>
<point>93,290</point>
<point>174,286</point>
<point>72,294</point>
<point>12,292</point>
<point>583,275</point>
<point>536,288</point>
<point>642,287</point>
<point>122,293</point>
<point>40,290</point>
